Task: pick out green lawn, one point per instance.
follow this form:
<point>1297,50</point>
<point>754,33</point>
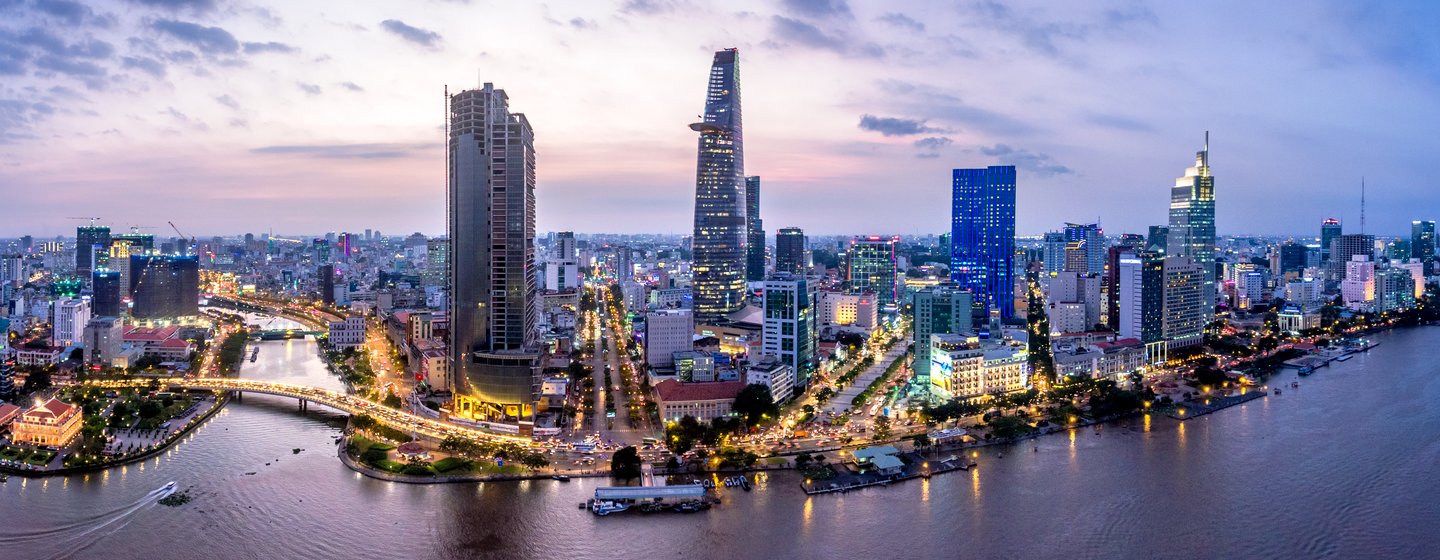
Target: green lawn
<point>39,458</point>
<point>449,464</point>
<point>10,453</point>
<point>391,466</point>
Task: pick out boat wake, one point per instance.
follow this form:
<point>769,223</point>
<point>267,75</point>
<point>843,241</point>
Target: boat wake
<point>82,533</point>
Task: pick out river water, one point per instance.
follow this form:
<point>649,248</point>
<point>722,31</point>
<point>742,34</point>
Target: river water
<point>1343,467</point>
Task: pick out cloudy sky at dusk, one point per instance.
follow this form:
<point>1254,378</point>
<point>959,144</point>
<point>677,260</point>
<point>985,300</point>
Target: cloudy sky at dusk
<point>303,117</point>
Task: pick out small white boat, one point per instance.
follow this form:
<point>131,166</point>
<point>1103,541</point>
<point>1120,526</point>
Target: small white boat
<point>603,508</point>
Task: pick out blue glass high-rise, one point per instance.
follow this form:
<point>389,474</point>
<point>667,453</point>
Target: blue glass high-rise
<point>982,233</point>
<point>721,222</point>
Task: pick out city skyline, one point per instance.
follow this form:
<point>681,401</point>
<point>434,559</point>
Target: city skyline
<point>257,112</point>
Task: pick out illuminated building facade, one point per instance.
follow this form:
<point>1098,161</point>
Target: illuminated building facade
<point>721,225</point>
<point>982,235</point>
<point>494,284</point>
<point>1192,223</point>
<point>872,268</point>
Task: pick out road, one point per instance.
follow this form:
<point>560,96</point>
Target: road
<point>839,403</point>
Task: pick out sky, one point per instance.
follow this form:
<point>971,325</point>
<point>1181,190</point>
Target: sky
<point>305,117</point>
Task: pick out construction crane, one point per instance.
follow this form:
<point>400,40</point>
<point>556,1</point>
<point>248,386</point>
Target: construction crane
<point>182,236</point>
<point>92,220</point>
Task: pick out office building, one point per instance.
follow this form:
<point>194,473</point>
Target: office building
<point>1087,243</point>
<point>755,242</point>
<point>1054,254</point>
<point>1192,224</point>
<point>788,332</point>
<point>1158,240</point>
<point>103,337</point>
<point>107,286</point>
<point>1141,298</point>
<point>494,350</point>
<point>328,279</point>
<point>1422,243</point>
<point>1394,289</point>
<point>437,259</point>
<point>1291,259</point>
<point>872,268</point>
<point>1329,230</point>
<point>940,309</point>
<point>721,224</point>
<point>1344,248</point>
<point>1073,302</point>
<point>87,238</point>
<point>790,250</point>
<point>1129,244</point>
<point>7,374</point>
<point>982,235</point>
<point>1184,302</point>
<point>668,331</point>
<point>164,287</point>
<point>71,315</point>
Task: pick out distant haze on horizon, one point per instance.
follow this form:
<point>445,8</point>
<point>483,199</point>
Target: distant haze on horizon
<point>234,117</point>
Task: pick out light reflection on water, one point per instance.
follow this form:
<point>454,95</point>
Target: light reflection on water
<point>1276,478</point>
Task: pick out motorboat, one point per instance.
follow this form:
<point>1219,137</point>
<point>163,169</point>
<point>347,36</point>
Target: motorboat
<point>560,477</point>
<point>605,507</point>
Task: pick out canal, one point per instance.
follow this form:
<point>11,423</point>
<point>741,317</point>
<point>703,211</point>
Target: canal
<point>1342,467</point>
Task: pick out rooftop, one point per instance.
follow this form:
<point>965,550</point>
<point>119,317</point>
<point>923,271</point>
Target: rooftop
<point>672,390</point>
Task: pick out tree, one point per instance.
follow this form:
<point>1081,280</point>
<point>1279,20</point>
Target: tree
<point>1042,363</point>
<point>535,461</point>
<point>754,402</point>
<point>391,400</point>
<point>626,463</point>
<point>150,409</point>
<point>922,441</point>
<point>364,422</point>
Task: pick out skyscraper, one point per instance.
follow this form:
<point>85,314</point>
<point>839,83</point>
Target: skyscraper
<point>790,250</point>
<point>1192,224</point>
<point>982,234</point>
<point>107,287</point>
<point>872,268</point>
<point>493,296</point>
<point>1344,248</point>
<point>1141,298</point>
<point>1329,230</point>
<point>755,241</point>
<point>721,224</point>
<point>164,287</point>
<point>789,329</point>
<point>1054,252</point>
<point>1089,241</point>
<point>86,239</point>
<point>1422,242</point>
<point>1158,240</point>
<point>1184,303</point>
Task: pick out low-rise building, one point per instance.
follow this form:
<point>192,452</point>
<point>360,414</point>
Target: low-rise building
<point>702,401</point>
<point>775,374</point>
<point>349,333</point>
<point>1105,359</point>
<point>45,356</point>
<point>52,423</point>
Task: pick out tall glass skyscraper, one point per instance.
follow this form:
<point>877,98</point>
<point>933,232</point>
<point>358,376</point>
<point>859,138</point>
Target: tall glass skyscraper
<point>982,234</point>
<point>721,224</point>
<point>1192,223</point>
<point>1089,240</point>
<point>494,348</point>
<point>872,268</point>
<point>755,241</point>
<point>86,239</point>
<point>1329,230</point>
<point>1422,242</point>
<point>790,250</point>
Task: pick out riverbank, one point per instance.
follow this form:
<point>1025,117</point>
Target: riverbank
<point>379,474</point>
<point>220,402</point>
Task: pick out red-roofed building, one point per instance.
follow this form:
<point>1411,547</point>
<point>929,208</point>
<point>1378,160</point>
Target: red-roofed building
<point>8,414</point>
<point>161,342</point>
<point>51,423</point>
<point>702,401</point>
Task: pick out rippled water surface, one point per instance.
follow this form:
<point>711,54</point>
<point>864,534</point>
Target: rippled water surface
<point>1343,467</point>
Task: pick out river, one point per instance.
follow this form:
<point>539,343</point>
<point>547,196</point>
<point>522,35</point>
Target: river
<point>1342,467</point>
